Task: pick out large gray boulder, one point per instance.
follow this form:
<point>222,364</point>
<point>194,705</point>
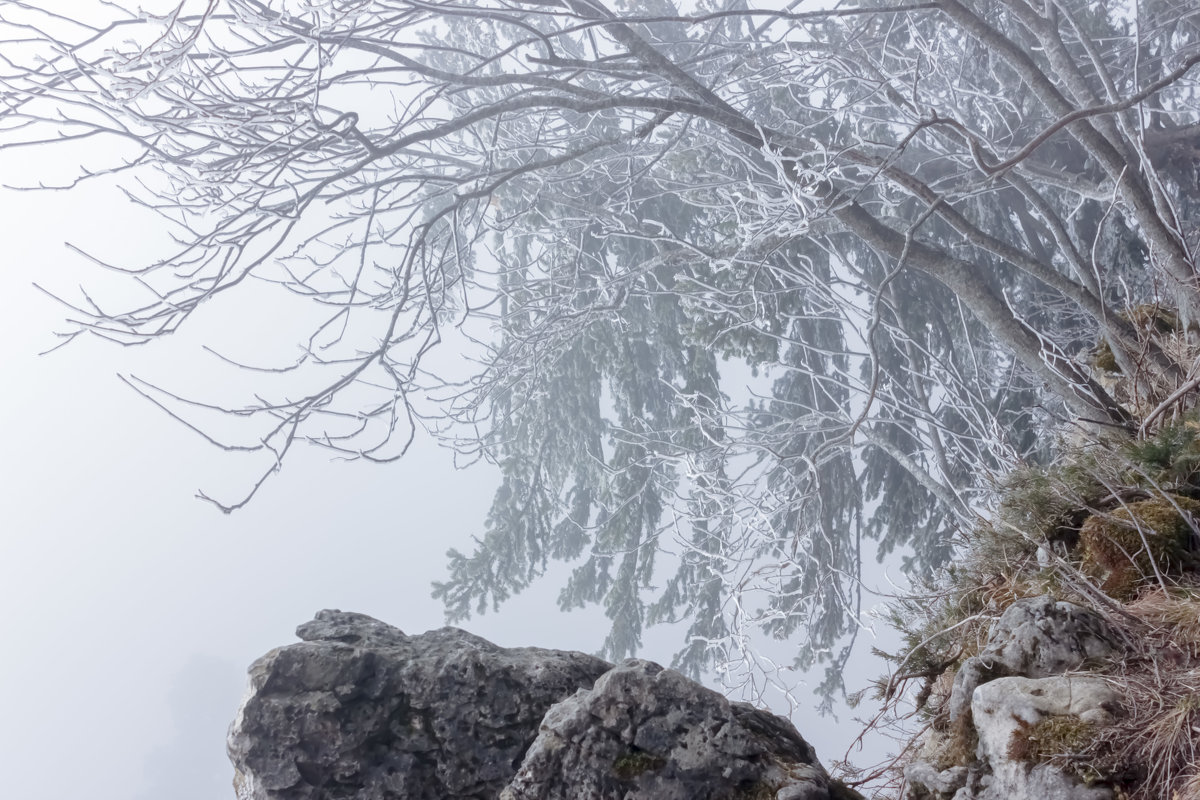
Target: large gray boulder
<point>360,710</point>
<point>648,733</point>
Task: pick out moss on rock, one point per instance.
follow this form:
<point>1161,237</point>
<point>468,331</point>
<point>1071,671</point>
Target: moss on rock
<point>1065,741</point>
<point>1050,737</point>
<point>1125,547</point>
<point>629,766</point>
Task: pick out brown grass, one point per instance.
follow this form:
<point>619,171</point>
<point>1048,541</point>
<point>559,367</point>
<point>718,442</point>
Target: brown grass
<point>1174,615</point>
<point>1153,751</point>
<point>1190,788</point>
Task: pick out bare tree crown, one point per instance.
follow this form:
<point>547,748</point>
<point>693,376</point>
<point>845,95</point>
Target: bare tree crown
<point>751,286</point>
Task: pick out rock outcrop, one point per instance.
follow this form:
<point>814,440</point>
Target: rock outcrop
<point>1034,638</point>
<point>1016,707</point>
<point>361,711</point>
<point>1021,722</point>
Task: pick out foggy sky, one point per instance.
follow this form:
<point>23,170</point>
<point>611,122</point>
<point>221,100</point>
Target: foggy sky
<point>133,609</point>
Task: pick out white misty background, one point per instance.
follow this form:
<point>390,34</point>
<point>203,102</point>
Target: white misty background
<point>133,609</point>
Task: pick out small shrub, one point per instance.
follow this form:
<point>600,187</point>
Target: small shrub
<point>1048,503</point>
<point>1171,456</point>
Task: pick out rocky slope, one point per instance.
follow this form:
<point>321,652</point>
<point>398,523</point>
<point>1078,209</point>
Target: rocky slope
<point>1013,689</point>
<point>1062,658</point>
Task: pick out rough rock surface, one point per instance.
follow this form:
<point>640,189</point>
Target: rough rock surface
<point>360,710</point>
<point>1014,683</point>
<point>926,780</point>
<point>1034,638</point>
<point>1003,708</point>
<point>646,733</point>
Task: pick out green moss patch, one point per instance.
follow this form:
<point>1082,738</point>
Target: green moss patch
<point>1067,742</point>
<point>629,766</point>
<point>1050,737</point>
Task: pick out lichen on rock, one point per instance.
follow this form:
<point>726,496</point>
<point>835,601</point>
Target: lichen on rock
<point>361,711</point>
<point>666,738</point>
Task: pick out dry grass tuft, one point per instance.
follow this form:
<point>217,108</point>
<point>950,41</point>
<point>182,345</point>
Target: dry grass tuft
<point>1190,788</point>
<point>1173,615</point>
<point>1154,750</point>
